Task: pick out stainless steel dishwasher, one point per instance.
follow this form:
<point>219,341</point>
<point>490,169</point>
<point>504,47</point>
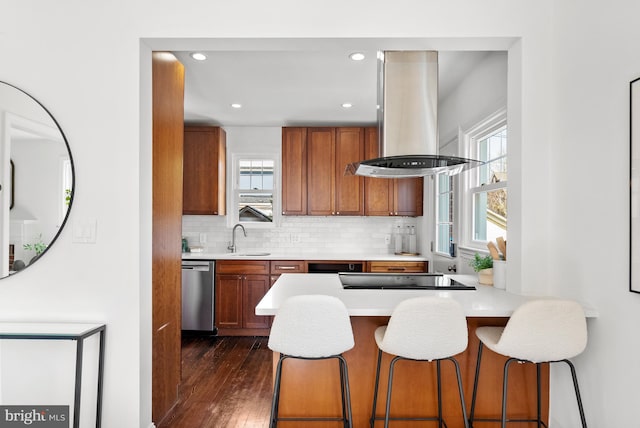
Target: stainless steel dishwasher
<point>198,295</point>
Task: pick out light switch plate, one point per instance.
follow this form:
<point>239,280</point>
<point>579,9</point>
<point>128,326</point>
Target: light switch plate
<point>84,231</point>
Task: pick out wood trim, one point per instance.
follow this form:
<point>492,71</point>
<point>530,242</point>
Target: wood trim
<point>168,134</point>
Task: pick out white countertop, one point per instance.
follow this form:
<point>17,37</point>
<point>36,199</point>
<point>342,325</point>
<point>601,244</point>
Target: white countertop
<point>251,255</point>
<point>485,301</point>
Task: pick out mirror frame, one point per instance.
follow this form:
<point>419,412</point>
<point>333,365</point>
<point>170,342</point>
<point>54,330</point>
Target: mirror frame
<point>73,180</point>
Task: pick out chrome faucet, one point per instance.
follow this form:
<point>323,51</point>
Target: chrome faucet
<point>232,245</point>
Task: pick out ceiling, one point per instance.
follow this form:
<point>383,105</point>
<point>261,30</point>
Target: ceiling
<point>295,87</point>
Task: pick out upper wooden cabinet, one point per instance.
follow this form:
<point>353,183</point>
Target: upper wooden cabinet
<point>390,196</point>
<point>314,181</point>
<point>204,166</point>
<point>294,171</point>
<point>321,159</point>
<point>349,189</point>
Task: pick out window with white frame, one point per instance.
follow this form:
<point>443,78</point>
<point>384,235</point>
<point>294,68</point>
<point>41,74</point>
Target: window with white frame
<point>254,191</point>
<point>485,201</point>
<point>444,213</point>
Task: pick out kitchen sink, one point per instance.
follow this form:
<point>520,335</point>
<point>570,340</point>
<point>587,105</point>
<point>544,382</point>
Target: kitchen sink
<point>251,254</point>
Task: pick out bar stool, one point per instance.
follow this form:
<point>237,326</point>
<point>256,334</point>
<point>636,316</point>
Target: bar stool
<point>422,329</point>
<point>539,331</point>
<point>312,327</point>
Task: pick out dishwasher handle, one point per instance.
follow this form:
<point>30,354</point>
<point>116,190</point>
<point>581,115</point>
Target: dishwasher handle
<point>197,266</point>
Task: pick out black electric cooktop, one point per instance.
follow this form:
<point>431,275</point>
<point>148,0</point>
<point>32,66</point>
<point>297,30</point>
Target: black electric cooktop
<point>400,281</point>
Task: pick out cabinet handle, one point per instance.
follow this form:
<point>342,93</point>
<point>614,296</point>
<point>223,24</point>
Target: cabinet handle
<point>401,269</point>
<point>286,267</point>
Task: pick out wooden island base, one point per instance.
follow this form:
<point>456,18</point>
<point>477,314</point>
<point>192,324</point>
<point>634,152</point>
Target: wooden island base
<point>312,388</point>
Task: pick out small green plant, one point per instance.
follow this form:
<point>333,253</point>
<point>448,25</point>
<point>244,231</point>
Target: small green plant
<point>479,263</point>
<point>38,247</point>
<point>67,197</point>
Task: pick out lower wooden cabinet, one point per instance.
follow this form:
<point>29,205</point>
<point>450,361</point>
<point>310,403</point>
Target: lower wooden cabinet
<point>240,285</point>
<point>397,267</point>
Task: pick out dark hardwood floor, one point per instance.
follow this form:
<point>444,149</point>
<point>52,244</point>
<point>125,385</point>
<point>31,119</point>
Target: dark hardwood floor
<point>226,383</point>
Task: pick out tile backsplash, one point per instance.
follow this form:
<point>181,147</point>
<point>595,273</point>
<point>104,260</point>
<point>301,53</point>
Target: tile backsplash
<point>300,235</point>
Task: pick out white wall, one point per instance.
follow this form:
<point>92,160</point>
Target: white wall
<point>593,60</point>
<point>569,63</point>
<point>480,94</point>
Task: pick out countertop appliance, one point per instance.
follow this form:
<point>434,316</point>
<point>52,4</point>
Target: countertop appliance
<point>400,281</point>
<point>198,296</point>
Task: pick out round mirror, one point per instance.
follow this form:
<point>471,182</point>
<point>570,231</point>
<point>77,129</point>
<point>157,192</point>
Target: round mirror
<point>36,180</point>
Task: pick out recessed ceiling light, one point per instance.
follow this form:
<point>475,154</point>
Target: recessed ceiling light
<point>198,56</point>
<point>357,56</point>
<point>347,105</point>
<point>236,105</point>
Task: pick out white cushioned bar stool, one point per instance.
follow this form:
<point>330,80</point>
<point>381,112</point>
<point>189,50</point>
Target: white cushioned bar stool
<point>312,327</point>
<point>422,329</point>
<point>539,331</point>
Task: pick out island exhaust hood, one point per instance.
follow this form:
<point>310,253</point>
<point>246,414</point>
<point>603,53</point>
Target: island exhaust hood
<point>408,120</point>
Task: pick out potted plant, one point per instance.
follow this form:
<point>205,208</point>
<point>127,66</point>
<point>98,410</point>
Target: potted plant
<point>484,267</point>
<point>39,247</point>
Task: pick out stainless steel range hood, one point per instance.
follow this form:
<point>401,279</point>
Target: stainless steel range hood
<point>408,119</point>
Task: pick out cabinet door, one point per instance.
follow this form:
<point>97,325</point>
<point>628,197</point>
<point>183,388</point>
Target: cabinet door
<point>407,195</point>
<point>294,171</point>
<point>378,198</point>
<point>229,301</point>
<point>349,192</point>
<point>204,170</point>
<point>254,289</point>
<point>320,171</point>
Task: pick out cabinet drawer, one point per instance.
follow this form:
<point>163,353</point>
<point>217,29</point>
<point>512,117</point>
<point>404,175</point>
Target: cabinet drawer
<point>287,266</point>
<point>387,266</point>
<point>243,267</point>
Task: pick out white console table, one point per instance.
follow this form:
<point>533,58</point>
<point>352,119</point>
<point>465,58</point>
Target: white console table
<point>65,331</point>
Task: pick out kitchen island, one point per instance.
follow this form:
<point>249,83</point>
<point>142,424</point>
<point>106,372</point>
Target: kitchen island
<point>317,382</point>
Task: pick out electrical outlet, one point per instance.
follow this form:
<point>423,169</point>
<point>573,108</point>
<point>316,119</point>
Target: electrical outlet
<point>203,238</point>
<point>387,239</point>
<point>295,238</point>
